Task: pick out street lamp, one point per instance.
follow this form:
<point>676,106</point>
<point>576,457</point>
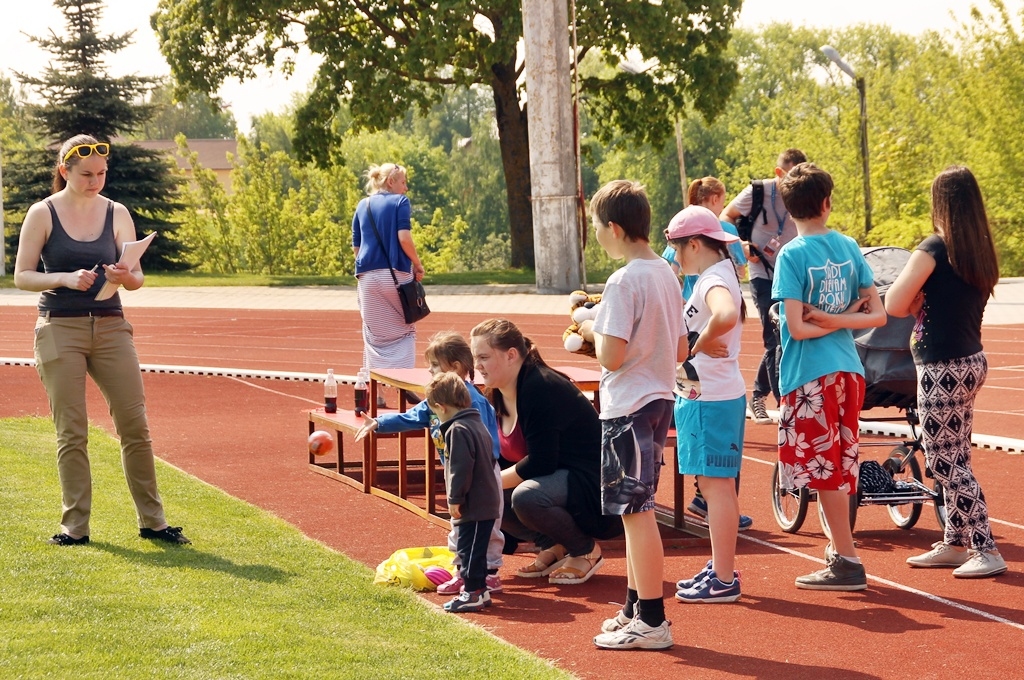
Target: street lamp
<point>831,53</point>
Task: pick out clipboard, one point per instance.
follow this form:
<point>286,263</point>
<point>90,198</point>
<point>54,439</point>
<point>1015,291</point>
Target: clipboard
<point>131,252</point>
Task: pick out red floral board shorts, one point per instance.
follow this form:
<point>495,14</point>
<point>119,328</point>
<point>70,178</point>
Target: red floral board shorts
<point>819,434</point>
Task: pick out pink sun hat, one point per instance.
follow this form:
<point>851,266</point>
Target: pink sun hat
<point>696,220</point>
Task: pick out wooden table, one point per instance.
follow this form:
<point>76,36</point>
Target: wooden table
<point>416,380</point>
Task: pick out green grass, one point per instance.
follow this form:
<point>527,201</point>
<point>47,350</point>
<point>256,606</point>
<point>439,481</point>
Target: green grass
<point>251,598</point>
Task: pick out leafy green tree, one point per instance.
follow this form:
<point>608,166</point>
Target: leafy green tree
<point>79,97</point>
<point>383,58</point>
<point>196,116</point>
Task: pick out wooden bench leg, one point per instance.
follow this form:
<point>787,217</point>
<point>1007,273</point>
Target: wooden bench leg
<point>403,466</point>
<point>428,468</point>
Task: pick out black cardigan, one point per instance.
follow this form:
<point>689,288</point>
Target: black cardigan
<point>562,431</point>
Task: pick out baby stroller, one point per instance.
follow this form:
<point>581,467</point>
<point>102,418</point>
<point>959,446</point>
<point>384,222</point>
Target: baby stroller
<point>891,381</point>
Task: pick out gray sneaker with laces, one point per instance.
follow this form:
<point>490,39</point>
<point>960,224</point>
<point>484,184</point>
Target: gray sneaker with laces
<point>760,411</point>
<point>838,574</point>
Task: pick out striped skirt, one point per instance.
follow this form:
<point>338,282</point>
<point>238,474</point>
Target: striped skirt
<point>388,342</point>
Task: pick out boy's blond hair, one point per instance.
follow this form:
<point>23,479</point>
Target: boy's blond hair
<point>448,389</point>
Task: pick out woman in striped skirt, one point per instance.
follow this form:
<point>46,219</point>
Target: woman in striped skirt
<point>382,240</point>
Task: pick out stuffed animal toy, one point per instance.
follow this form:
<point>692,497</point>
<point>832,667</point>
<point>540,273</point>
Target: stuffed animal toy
<point>582,307</point>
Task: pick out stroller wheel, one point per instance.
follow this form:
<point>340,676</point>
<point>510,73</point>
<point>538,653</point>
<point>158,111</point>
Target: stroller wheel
<point>940,505</point>
<point>903,466</point>
<point>788,505</point>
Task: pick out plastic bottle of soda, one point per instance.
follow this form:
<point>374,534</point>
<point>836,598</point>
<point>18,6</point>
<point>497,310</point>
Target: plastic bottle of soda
<point>330,392</point>
<point>362,392</point>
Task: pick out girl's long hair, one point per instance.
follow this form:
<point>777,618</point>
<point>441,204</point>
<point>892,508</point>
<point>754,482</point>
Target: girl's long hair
<point>700,190</point>
<point>449,348</point>
<point>958,215</point>
<point>504,335</point>
<point>58,180</point>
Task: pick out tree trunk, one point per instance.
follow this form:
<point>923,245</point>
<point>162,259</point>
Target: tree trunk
<point>515,161</point>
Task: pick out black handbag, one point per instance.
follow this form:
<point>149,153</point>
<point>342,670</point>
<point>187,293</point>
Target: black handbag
<point>411,294</point>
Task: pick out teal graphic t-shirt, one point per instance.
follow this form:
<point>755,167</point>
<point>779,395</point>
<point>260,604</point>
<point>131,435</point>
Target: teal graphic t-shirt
<point>827,271</point>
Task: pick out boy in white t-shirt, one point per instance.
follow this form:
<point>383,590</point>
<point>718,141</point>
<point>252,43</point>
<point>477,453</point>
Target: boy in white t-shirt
<point>639,337</point>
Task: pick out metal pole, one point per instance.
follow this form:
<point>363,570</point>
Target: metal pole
<point>3,231</point>
<point>864,152</point>
<point>682,157</point>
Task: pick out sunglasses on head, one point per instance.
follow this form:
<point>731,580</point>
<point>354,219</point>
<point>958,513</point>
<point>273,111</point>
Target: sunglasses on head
<point>85,150</point>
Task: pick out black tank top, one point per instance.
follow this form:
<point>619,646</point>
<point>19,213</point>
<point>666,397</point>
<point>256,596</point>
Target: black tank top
<point>61,253</point>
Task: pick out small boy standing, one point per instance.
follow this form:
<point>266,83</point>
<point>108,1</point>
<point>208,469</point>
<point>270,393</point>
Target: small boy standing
<point>639,336</point>
<point>474,499</point>
<point>828,289</point>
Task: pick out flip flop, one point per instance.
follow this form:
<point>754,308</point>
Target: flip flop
<point>576,576</point>
<point>534,570</point>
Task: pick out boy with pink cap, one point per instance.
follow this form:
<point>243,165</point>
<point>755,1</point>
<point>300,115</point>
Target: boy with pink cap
<point>710,409</point>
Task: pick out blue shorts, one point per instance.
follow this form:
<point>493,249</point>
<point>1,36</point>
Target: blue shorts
<point>709,436</point>
<point>632,457</point>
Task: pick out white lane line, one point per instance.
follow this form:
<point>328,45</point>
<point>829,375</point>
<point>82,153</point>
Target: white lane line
<point>267,389</point>
<point>898,586</point>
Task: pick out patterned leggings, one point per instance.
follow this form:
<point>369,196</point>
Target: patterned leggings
<point>945,402</point>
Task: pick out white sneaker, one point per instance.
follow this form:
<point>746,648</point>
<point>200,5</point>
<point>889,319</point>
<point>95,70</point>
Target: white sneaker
<point>981,565</point>
<point>618,623</point>
<point>637,635</point>
<point>941,555</point>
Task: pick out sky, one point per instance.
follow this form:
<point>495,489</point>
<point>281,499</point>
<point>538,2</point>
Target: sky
<point>271,92</point>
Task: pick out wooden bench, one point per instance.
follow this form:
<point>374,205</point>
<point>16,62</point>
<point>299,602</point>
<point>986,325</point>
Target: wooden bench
<point>676,515</point>
<point>368,465</point>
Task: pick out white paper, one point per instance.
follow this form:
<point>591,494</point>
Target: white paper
<point>131,252</point>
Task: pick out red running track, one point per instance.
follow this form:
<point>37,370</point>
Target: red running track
<point>947,628</point>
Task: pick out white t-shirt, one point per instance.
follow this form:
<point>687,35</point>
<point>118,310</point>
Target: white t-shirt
<point>641,305</point>
<point>720,378</point>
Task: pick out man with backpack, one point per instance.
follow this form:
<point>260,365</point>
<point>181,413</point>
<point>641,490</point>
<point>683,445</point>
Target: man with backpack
<point>764,226</point>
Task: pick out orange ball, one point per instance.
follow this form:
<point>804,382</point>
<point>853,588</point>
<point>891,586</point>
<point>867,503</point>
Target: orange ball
<point>321,443</point>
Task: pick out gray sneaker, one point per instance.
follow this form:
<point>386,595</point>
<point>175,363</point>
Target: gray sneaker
<point>760,411</point>
<point>839,574</point>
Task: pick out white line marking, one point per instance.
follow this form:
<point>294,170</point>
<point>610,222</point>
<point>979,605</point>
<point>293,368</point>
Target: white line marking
<point>892,584</point>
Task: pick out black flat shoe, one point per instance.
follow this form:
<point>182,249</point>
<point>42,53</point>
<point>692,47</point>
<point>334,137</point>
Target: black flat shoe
<point>169,534</point>
<point>64,539</point>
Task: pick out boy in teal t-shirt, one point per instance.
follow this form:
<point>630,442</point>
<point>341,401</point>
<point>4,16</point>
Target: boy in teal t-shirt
<point>827,289</point>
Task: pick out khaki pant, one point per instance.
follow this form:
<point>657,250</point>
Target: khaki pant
<point>65,350</point>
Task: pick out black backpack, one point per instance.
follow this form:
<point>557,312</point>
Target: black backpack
<point>745,224</point>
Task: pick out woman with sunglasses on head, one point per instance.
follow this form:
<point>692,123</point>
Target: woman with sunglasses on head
<point>78,233</point>
<point>385,254</point>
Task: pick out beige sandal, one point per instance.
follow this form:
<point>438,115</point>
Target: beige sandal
<point>542,566</point>
<point>576,570</point>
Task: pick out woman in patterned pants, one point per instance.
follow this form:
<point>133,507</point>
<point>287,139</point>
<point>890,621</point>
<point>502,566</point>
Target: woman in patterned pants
<point>946,284</point>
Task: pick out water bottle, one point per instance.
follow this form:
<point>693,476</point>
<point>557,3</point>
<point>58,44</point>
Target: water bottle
<point>330,392</point>
<point>362,392</point>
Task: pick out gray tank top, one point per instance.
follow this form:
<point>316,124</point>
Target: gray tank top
<point>61,253</point>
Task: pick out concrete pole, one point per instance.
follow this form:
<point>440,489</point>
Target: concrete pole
<point>552,164</point>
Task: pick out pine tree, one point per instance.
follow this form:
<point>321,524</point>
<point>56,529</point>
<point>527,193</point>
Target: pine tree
<point>80,97</point>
